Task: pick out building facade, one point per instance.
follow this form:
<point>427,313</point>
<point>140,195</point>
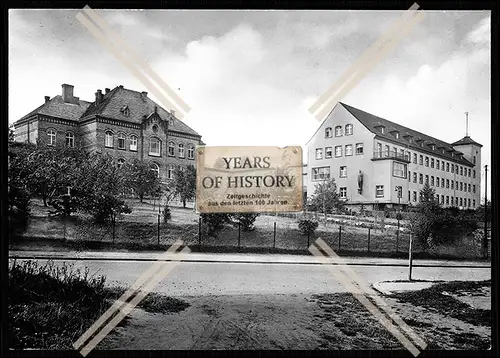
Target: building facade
<point>123,123</point>
<point>381,164</point>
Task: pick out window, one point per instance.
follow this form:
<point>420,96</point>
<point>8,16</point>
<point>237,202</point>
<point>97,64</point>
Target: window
<point>348,129</point>
<point>348,149</point>
<point>456,168</point>
<point>133,142</point>
<point>359,148</point>
<point>468,202</point>
<point>432,162</point>
<point>437,182</point>
<point>452,168</point>
<point>414,177</point>
<point>421,159</point>
<point>421,178</point>
<point>338,151</point>
<point>338,131</point>
<point>426,179</point>
<point>395,151</point>
<point>171,149</point>
<point>474,173</point>
<point>343,193</point>
<point>379,191</point>
<point>461,202</point>
<point>474,159</point>
<point>469,172</point>
<point>121,161</point>
<point>387,151</point>
<point>190,151</point>
<point>426,161</point>
<point>399,170</point>
<point>171,122</point>
<point>456,201</point>
<point>155,128</point>
<point>461,170</point>
<point>461,186</point>
<point>154,167</point>
<point>170,171</point>
<point>473,203</point>
<point>121,141</point>
<point>409,195</point>
<point>456,184</point>
<point>447,167</point>
<point>70,140</point>
<point>442,199</point>
<point>442,182</point>
<point>328,132</point>
<point>432,180</point>
<point>442,165</point>
<point>447,183</point>
<point>154,146</point>
<point>108,142</point>
<point>382,130</point>
<point>319,153</point>
<point>415,158</point>
<point>396,134</point>
<point>181,150</point>
<point>51,133</point>
<point>125,111</point>
<point>409,175</point>
<point>447,200</point>
<point>437,164</point>
<point>343,172</point>
<point>328,152</point>
<point>402,153</point>
<point>322,173</point>
<point>452,184</point>
<point>474,189</point>
<point>468,188</point>
<point>379,149</point>
<point>414,196</point>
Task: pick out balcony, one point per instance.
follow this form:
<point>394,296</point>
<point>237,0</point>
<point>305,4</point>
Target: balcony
<point>390,154</point>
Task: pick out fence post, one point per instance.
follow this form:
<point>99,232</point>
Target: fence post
<point>239,226</point>
<point>158,229</point>
<point>274,236</point>
<point>199,231</point>
<point>340,235</point>
<point>410,258</point>
<point>369,239</point>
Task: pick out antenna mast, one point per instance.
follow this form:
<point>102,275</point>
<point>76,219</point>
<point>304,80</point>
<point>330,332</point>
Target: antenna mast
<point>466,124</point>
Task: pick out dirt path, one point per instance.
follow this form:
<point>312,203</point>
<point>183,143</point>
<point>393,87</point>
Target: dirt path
<point>326,321</point>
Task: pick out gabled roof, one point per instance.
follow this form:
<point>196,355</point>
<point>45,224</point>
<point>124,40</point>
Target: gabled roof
<point>56,107</point>
<point>139,106</point>
<point>370,121</point>
<point>466,140</point>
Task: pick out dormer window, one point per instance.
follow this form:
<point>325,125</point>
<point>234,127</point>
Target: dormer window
<point>171,122</point>
<point>125,111</point>
<point>382,130</point>
<point>396,134</point>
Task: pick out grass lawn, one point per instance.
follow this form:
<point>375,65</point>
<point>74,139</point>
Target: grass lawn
<point>139,231</point>
<point>50,307</point>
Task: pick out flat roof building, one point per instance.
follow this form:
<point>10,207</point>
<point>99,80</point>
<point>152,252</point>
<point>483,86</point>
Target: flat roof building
<point>372,159</point>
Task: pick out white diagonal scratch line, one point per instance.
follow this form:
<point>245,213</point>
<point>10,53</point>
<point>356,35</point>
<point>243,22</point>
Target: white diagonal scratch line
<point>366,62</point>
<point>128,307</point>
<point>110,40</point>
<point>372,293</point>
<point>151,271</point>
<point>360,291</point>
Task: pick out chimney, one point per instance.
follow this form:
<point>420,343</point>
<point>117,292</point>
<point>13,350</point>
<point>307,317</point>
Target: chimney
<point>47,99</point>
<point>172,112</point>
<point>67,93</point>
<point>106,90</point>
<point>144,94</point>
<point>98,96</point>
<point>121,86</point>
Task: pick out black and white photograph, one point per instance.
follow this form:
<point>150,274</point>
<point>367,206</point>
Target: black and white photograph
<point>184,179</point>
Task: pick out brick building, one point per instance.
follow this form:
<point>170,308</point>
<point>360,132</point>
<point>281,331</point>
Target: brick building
<point>373,160</point>
<point>124,123</point>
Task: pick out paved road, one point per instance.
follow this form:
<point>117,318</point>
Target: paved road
<point>229,278</point>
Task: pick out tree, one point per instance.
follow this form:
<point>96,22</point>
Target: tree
<point>185,183</point>
<point>245,220</point>
<point>423,223</point>
<point>98,188</point>
<point>140,179</point>
<point>325,197</point>
<point>11,134</point>
<point>213,222</point>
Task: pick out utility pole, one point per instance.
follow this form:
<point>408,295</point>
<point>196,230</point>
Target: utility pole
<point>485,240</point>
<point>399,190</point>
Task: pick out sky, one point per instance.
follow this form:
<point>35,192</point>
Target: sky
<point>250,76</point>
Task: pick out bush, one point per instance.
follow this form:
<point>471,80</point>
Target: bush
<point>214,222</point>
<point>307,227</point>
<point>166,214</point>
<point>246,220</point>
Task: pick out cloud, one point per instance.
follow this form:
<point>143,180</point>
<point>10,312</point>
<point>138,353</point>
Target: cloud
<point>481,34</point>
